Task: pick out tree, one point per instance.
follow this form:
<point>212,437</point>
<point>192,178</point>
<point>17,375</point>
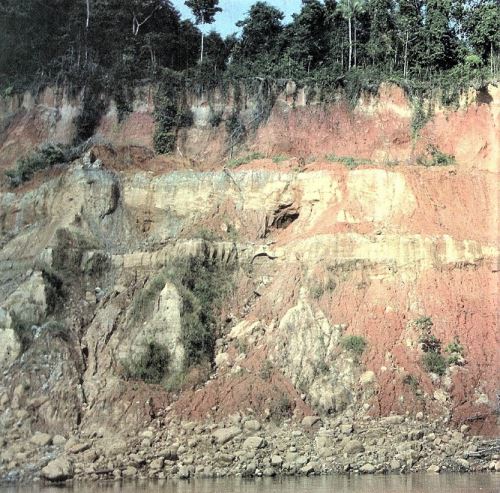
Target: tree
<point>382,45</point>
<point>308,33</point>
<point>440,41</point>
<point>350,9</point>
<point>260,29</point>
<point>481,26</point>
<point>409,21</point>
<point>204,12</point>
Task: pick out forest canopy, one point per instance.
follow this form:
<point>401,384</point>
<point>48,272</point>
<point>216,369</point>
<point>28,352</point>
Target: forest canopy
<point>125,42</point>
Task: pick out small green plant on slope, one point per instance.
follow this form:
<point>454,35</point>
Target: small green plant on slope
<point>279,159</point>
<point>349,161</point>
<point>234,163</point>
<point>420,117</point>
<point>355,344</point>
<point>411,381</point>
<point>437,158</point>
<point>432,359</point>
<point>455,352</point>
<point>434,362</point>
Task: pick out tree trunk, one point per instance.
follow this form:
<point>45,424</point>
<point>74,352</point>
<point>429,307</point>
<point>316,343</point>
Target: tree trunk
<point>491,56</point>
<point>405,57</point>
<point>202,43</point>
<point>87,25</point>
<point>355,43</point>
<point>350,44</point>
<point>342,53</point>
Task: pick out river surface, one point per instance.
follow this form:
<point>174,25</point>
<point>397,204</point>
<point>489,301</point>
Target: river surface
<point>416,483</point>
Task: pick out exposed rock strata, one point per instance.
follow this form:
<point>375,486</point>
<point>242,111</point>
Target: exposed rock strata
<point>319,252</point>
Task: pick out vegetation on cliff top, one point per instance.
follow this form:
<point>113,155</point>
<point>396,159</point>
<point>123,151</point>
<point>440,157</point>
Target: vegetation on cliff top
<point>345,43</point>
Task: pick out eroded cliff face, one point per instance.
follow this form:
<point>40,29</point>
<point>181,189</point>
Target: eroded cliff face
<point>317,252</point>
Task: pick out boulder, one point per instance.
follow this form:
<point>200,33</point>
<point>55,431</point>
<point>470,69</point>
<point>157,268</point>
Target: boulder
<point>346,429</point>
<point>353,447</point>
<point>254,443</point>
<point>41,439</point>
<point>310,421</point>
<point>252,425</point>
<point>59,469</point>
<point>78,448</point>
<point>58,440</point>
<point>156,464</point>
<point>367,468</point>
<point>276,460</point>
<point>224,435</point>
<point>393,420</point>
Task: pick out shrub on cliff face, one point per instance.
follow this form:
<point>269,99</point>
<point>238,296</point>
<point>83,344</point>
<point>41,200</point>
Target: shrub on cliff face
<point>434,362</point>
<point>355,344</point>
<point>436,157</point>
<point>168,113</point>
<point>151,366</point>
<point>203,285</point>
<point>44,157</point>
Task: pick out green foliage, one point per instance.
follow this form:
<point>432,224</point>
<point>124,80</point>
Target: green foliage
<point>322,368</point>
<point>279,159</point>
<point>44,157</point>
<point>455,351</point>
<point>430,343</point>
<point>234,163</point>
<point>432,359</point>
<point>202,285</point>
<point>281,407</point>
<point>348,161</point>
<point>429,47</point>
<point>175,381</point>
<point>411,381</point>
<point>54,289</point>
<point>317,291</point>
<point>434,362</point>
<point>423,323</point>
<point>204,11</point>
<point>23,332</point>
<point>169,113</point>
<point>420,117</point>
<point>241,346</point>
<point>454,359</point>
<point>93,106</point>
<point>235,129</point>
<point>151,366</point>
<point>147,295</point>
<point>437,158</point>
<point>455,347</point>
<point>355,344</point>
<point>259,31</point>
<point>215,118</point>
